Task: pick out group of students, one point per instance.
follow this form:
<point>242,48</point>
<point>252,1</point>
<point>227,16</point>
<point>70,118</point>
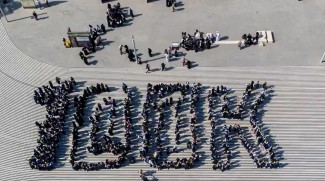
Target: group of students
<point>272,161</point>
<point>94,41</point>
<point>262,139</point>
<point>216,155</point>
<point>156,101</point>
<point>196,42</point>
<point>105,144</point>
<point>248,40</point>
<point>115,16</point>
<point>56,102</point>
<point>217,152</point>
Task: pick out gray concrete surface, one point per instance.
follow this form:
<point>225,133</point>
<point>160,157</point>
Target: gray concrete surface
<point>297,26</point>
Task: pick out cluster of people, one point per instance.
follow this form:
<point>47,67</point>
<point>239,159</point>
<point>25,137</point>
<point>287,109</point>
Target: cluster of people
<point>94,41</point>
<point>115,16</point>
<point>171,3</point>
<point>248,40</point>
<point>107,144</point>
<point>124,49</point>
<point>56,102</point>
<point>218,163</point>
<point>262,140</point>
<point>196,42</point>
<point>155,101</point>
<point>272,162</point>
<point>169,53</point>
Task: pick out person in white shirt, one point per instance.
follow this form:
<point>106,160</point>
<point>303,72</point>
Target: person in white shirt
<point>217,36</point>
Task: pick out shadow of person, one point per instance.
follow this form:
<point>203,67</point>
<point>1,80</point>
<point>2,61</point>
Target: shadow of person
<point>136,15</point>
<point>155,54</point>
<point>10,6</point>
<point>169,68</point>
<point>179,9</point>
<point>45,17</point>
<point>155,69</point>
<point>224,38</point>
<point>54,3</point>
<point>94,62</point>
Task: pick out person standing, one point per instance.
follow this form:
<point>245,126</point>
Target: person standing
<point>81,55</point>
<point>208,44</point>
<point>85,60</point>
<point>183,61</point>
<point>173,6</point>
<point>217,36</point>
<point>131,13</point>
<point>85,50</point>
<point>90,29</point>
<point>67,44</point>
<point>163,66</point>
<point>47,3</point>
<point>58,80</point>
<point>175,52</point>
<point>103,28</point>
<point>148,68</point>
<point>167,57</point>
<point>121,49</point>
<point>38,2</point>
<point>256,37</point>
<point>150,52</point>
<point>35,15</point>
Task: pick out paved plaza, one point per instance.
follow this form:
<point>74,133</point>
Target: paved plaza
<point>297,31</point>
<point>32,53</point>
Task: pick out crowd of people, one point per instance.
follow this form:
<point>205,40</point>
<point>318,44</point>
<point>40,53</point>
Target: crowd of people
<point>157,100</point>
<point>54,98</point>
<point>248,40</point>
<point>216,152</point>
<point>115,16</point>
<point>94,41</point>
<point>105,144</point>
<point>196,42</point>
<point>262,141</point>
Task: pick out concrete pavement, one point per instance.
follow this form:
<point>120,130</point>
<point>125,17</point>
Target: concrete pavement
<point>296,25</point>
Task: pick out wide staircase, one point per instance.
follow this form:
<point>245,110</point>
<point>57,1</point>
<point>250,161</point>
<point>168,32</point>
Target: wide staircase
<point>293,116</point>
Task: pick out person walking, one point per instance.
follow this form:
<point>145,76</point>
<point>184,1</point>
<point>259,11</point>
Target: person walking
<point>163,66</point>
<point>150,52</point>
<point>102,27</point>
<point>173,6</point>
<point>35,15</point>
<point>148,68</point>
<point>183,61</point>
